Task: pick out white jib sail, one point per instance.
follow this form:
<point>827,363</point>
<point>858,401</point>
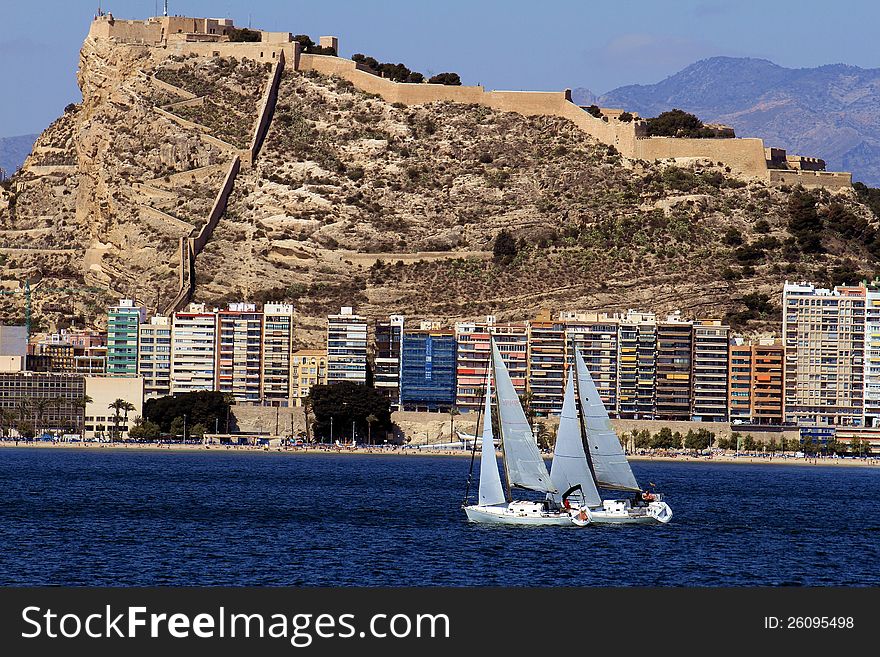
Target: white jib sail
<point>491,490</point>
<point>609,461</point>
<point>522,460</point>
<point>570,467</point>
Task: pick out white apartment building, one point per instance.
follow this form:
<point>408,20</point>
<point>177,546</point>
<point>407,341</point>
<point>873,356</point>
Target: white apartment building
<point>346,347</point>
<point>825,338</point>
<point>277,346</point>
<point>193,342</point>
<point>154,357</point>
<point>239,352</point>
<point>872,357</point>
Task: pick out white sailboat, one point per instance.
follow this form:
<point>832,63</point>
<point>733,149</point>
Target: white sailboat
<point>604,463</point>
<point>523,464</point>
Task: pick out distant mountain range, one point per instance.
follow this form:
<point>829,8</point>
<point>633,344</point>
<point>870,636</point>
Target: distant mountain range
<point>831,112</point>
<point>14,150</point>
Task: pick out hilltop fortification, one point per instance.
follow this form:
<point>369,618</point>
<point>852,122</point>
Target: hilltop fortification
<point>210,37</point>
<point>201,166</point>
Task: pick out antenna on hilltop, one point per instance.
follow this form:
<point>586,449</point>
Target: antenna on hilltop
<point>166,8</point>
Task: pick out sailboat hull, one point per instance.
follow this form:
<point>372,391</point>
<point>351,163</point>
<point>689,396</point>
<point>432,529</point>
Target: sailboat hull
<point>621,512</point>
<point>518,513</point>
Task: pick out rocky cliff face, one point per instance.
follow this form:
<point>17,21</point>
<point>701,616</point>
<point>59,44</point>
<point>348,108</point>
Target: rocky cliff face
<point>393,209</point>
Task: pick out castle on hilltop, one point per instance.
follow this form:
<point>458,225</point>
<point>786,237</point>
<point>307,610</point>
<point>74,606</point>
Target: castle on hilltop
<point>627,132</point>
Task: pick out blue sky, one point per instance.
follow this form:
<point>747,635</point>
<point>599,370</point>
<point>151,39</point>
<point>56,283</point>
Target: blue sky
<point>512,44</point>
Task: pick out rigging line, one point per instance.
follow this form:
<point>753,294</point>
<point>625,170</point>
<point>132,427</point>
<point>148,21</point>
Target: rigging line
<point>467,488</point>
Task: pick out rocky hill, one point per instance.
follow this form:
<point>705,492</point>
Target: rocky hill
<point>392,209</point>
<point>832,112</point>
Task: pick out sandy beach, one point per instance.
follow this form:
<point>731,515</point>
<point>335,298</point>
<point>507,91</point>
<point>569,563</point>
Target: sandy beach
<point>872,462</point>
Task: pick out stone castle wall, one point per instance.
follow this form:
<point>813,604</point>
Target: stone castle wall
<point>528,103</point>
<point>199,241</point>
<point>258,51</point>
<point>832,180</point>
<point>267,110</point>
<point>745,157</point>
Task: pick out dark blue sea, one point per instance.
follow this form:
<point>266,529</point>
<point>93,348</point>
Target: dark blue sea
<point>70,517</point>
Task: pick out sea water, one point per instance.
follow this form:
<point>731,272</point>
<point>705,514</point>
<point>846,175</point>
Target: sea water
<point>102,517</point>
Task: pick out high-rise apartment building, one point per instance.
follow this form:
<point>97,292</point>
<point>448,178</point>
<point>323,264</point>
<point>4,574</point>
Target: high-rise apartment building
<point>755,381</point>
<point>346,347</point>
<point>674,368</point>
<point>389,343</point>
<point>872,356</point>
<point>473,351</point>
<point>123,322</point>
<point>825,338</point>
<point>546,351</point>
<point>595,336</point>
<point>710,371</point>
<point>428,368</point>
<point>239,352</point>
<point>278,323</point>
<point>637,365</point>
<point>154,356</point>
<point>193,349</point>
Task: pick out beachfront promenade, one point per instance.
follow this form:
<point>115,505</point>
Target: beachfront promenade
<point>397,450</point>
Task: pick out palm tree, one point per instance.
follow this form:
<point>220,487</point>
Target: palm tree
<point>23,411</point>
<point>82,403</point>
<point>546,439</point>
<point>526,400</point>
<point>453,411</point>
<point>307,411</point>
<point>41,405</point>
<point>370,420</point>
<point>117,407</point>
<point>127,407</point>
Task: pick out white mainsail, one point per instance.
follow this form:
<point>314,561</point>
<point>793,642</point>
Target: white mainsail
<point>491,490</point>
<point>522,460</point>
<point>570,467</point>
<point>609,462</point>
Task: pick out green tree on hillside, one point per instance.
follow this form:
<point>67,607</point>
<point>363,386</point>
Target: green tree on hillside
<point>678,123</point>
<point>504,249</point>
<point>243,34</point>
<point>804,221</point>
<point>452,79</point>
